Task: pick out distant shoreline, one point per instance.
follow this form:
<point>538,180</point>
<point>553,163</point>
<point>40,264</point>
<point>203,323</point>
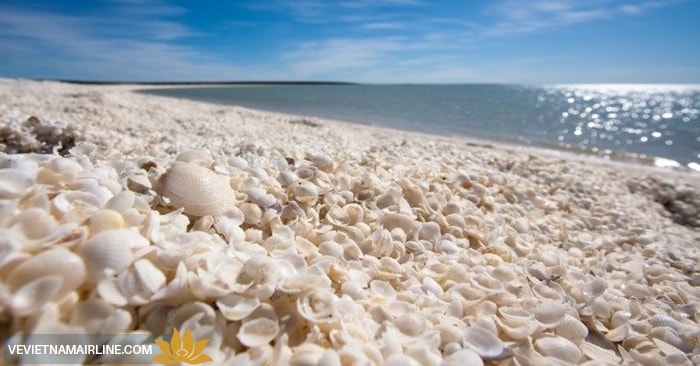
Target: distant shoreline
<point>185,83</point>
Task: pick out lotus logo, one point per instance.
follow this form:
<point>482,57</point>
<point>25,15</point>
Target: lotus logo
<point>182,350</point>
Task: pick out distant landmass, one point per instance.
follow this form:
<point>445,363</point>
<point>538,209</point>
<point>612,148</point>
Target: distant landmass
<point>97,82</point>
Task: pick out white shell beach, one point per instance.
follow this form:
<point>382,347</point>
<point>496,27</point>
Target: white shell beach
<point>295,240</point>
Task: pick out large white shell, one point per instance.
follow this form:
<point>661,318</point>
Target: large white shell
<point>198,190</point>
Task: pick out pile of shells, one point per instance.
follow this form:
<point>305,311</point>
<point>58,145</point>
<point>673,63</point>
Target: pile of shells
<point>318,259</point>
<point>35,136</point>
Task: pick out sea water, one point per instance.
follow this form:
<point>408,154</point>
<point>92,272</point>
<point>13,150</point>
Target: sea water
<point>659,122</point>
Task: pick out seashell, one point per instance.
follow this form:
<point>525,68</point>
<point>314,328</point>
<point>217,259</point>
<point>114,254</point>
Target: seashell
<point>203,223</point>
<point>36,228</point>
<point>549,313</point>
<point>318,305</point>
<point>305,173</point>
<point>601,308</point>
<point>429,231</point>
<point>636,290</point>
<point>261,198</point>
<point>600,354</point>
<point>572,329</point>
<point>105,219</point>
<point>121,202</point>
<point>110,249</point>
<point>411,325</point>
<point>595,288</point>
<point>559,348</point>
<point>463,357</point>
<point>98,316</point>
<point>195,156</point>
<point>401,221</point>
<point>398,359</point>
<point>618,334</point>
<point>323,162</point>
<point>303,192</point>
<point>13,183</point>
<point>287,178</point>
<point>198,190</point>
<point>35,294</point>
<point>138,181</point>
<point>150,277</point>
<point>258,332</point>
<point>481,341</point>
<point>61,262</point>
<point>236,307</point>
<point>307,354</point>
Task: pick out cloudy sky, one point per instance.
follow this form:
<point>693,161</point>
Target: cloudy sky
<point>397,41</point>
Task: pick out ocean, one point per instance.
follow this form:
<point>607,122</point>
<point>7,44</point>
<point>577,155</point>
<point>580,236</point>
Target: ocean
<point>659,123</point>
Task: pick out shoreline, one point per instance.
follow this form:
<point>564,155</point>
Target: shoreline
<point>293,239</point>
<point>503,142</point>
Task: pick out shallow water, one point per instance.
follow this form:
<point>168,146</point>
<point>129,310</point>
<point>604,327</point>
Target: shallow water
<point>645,120</point>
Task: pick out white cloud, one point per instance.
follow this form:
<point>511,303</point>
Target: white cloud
<point>312,59</point>
<point>516,17</point>
<point>119,45</point>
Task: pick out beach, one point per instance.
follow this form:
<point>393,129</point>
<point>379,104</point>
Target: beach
<point>297,240</point>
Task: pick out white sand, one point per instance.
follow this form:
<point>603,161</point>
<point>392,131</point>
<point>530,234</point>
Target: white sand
<point>551,218</point>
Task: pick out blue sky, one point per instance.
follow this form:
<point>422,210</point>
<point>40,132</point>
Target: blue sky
<point>397,41</point>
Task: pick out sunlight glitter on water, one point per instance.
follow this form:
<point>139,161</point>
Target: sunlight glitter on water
<point>609,115</point>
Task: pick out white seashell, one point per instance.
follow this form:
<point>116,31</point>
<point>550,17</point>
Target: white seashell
<point>252,213</point>
<point>572,329</point>
<point>600,354</point>
<point>463,357</point>
<point>59,262</point>
<point>401,221</point>
<point>151,278</point>
<point>98,316</point>
<point>258,332</point>
<point>110,249</point>
<point>198,190</point>
<point>35,294</point>
<point>317,305</point>
<point>236,307</point>
<point>481,341</point>
<point>105,219</point>
<point>559,348</point>
<point>229,225</point>
<point>304,173</point>
<point>303,192</point>
<point>429,231</point>
<point>302,283</point>
<point>411,325</point>
<point>323,162</point>
<point>138,181</point>
<point>549,313</point>
<point>636,290</point>
<point>13,183</point>
<point>34,228</point>
<point>121,202</point>
<point>261,198</point>
<point>195,156</point>
<point>287,178</point>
